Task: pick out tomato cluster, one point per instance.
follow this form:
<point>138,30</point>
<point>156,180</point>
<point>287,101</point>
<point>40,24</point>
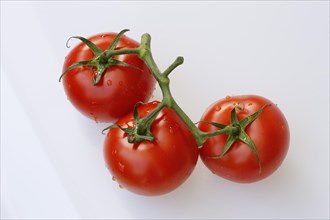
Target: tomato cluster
<point>152,148</point>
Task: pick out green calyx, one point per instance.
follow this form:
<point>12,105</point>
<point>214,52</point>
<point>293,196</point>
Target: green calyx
<point>102,59</point>
<point>141,131</point>
<point>236,131</point>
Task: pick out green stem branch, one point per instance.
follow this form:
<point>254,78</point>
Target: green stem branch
<point>164,82</point>
<point>123,51</point>
<point>144,52</point>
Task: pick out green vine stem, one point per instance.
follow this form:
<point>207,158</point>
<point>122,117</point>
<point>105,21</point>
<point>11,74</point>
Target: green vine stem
<point>164,84</point>
<point>168,100</point>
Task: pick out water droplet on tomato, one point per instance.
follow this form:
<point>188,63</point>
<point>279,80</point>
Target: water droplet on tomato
<point>171,130</point>
<point>228,97</point>
<point>250,104</point>
<point>121,166</point>
<point>103,36</point>
<point>120,83</point>
<point>217,108</point>
<point>109,82</point>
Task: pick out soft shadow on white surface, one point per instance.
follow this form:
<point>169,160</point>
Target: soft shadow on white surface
<point>30,187</point>
<point>51,156</point>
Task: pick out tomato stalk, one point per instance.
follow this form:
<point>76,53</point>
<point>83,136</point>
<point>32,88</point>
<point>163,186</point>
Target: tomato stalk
<point>164,84</point>
<point>234,130</point>
<point>143,125</point>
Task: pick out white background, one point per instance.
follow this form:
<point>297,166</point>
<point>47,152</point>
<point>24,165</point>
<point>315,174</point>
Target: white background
<point>51,156</point>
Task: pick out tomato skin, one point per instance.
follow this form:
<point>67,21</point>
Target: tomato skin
<point>119,88</point>
<point>152,168</point>
<point>269,132</point>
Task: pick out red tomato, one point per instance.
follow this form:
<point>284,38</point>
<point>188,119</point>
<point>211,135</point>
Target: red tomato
<point>152,168</point>
<point>119,88</point>
<point>269,132</point>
